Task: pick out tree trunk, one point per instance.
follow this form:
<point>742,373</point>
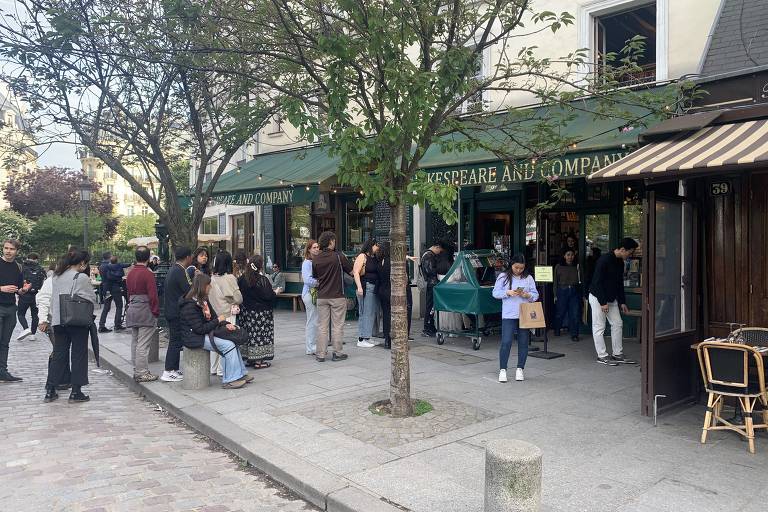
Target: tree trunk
<point>400,383</point>
<point>180,234</point>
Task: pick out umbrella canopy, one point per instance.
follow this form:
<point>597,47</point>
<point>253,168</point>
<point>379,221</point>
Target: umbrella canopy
<point>149,241</point>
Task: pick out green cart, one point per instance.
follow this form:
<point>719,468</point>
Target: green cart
<point>467,289</point>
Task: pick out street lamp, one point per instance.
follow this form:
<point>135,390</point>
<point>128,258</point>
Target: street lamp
<point>85,200</point>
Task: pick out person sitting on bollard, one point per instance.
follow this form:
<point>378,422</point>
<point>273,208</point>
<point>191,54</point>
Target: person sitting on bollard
<point>199,322</point>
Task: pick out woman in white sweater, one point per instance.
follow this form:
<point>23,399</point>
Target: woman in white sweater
<point>68,278</point>
<point>224,297</point>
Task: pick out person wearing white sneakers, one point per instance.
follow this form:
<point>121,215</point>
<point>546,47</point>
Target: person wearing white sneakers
<point>514,287</point>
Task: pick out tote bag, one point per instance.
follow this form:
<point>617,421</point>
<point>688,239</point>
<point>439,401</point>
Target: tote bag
<point>75,311</point>
<point>532,315</point>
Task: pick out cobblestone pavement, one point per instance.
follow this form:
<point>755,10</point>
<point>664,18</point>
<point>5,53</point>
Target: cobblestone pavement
<point>351,416</point>
<point>114,453</point>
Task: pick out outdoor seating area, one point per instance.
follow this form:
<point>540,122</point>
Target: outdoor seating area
<point>733,370</point>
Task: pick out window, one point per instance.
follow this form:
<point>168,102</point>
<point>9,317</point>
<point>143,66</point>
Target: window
<point>605,26</point>
<point>10,119</point>
<point>222,223</point>
<point>359,227</point>
<point>129,211</point>
<point>91,172</point>
<point>276,125</point>
<point>145,210</point>
<point>109,173</point>
<point>110,190</point>
<point>297,222</point>
<point>210,226</point>
<point>474,103</point>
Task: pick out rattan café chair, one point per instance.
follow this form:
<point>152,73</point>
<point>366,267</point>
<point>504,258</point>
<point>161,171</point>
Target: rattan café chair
<point>753,335</point>
<point>725,368</point>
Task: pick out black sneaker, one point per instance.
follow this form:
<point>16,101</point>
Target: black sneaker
<point>7,377</point>
<point>319,359</point>
<point>119,328</point>
<point>104,329</point>
<point>620,359</point>
<point>339,357</point>
<point>50,396</point>
<point>428,334</point>
<point>607,361</point>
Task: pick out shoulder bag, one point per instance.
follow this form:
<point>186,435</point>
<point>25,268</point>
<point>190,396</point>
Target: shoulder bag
<point>75,311</point>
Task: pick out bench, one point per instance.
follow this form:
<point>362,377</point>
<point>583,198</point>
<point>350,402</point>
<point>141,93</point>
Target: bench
<point>295,298</point>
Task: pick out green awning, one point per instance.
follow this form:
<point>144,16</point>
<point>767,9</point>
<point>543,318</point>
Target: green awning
<point>283,177</point>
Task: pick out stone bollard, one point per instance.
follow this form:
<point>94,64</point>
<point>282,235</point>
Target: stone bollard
<point>154,347</point>
<point>512,476</point>
<point>197,368</point>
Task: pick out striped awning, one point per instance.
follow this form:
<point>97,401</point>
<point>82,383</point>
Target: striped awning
<point>711,149</point>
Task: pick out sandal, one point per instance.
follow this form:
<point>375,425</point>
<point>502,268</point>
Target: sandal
<point>248,378</point>
<point>258,365</point>
<point>235,384</point>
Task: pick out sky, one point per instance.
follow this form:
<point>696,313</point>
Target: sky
<point>59,155</point>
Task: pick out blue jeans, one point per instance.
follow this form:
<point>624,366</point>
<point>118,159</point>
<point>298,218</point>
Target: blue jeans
<point>568,304</point>
<point>510,327</point>
<point>367,306</point>
<point>311,329</point>
<point>232,362</point>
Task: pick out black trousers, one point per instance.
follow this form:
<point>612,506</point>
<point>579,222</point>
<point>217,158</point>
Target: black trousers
<point>7,324</point>
<point>116,292</point>
<point>67,376</point>
<point>173,354</point>
<point>22,314</point>
<point>385,302</point>
<point>66,340</point>
<point>429,317</point>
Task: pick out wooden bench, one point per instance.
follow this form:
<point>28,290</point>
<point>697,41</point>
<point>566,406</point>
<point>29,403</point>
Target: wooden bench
<point>295,298</point>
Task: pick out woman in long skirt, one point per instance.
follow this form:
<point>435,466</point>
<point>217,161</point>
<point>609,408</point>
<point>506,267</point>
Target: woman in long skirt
<point>256,314</point>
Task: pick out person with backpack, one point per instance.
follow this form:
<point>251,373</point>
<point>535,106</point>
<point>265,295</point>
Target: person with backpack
<point>34,274</point>
<point>112,274</point>
<point>427,279</point>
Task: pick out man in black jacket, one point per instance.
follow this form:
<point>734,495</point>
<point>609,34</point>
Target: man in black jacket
<point>428,269</point>
<point>606,298</point>
<point>177,284</point>
<point>34,274</point>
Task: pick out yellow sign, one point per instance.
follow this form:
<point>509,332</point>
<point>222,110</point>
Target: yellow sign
<point>544,274</point>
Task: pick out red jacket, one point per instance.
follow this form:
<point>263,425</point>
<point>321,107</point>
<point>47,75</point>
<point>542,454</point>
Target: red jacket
<point>141,281</point>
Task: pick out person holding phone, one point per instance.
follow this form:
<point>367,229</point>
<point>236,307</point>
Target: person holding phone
<point>514,287</point>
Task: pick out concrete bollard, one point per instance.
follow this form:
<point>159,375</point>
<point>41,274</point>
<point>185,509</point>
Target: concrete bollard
<point>512,476</point>
<point>197,368</point>
<point>154,347</point>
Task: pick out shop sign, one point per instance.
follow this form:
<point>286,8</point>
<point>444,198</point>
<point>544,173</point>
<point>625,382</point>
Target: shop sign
<point>491,173</point>
<point>292,195</point>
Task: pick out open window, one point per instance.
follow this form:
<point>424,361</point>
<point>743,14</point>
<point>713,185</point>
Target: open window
<point>612,31</point>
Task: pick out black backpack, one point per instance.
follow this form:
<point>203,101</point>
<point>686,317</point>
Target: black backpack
<point>36,276</point>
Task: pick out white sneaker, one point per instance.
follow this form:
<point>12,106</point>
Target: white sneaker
<point>179,373</point>
<point>519,374</point>
<point>502,375</point>
<point>171,376</point>
<point>24,334</point>
<point>365,344</point>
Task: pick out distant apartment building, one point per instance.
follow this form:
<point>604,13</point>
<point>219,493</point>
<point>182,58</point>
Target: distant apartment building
<point>16,152</point>
<point>127,202</point>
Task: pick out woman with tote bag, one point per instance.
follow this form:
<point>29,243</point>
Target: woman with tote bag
<point>514,287</point>
<point>72,302</point>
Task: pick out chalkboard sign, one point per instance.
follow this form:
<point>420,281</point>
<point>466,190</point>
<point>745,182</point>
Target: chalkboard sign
<point>382,222</point>
<point>269,232</point>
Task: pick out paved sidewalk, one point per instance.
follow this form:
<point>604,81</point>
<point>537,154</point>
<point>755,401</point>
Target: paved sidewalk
<point>307,425</point>
<point>114,453</point>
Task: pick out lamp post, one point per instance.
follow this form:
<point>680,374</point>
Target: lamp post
<point>85,200</point>
<point>161,231</point>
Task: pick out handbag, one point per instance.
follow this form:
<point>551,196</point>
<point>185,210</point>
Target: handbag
<point>75,311</point>
<point>532,315</point>
<point>238,336</point>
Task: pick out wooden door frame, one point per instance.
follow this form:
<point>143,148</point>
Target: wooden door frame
<point>649,340</point>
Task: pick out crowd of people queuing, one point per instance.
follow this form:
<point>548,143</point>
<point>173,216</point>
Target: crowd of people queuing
<point>225,305</point>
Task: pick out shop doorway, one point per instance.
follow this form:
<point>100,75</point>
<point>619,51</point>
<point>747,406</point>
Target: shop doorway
<point>494,231</point>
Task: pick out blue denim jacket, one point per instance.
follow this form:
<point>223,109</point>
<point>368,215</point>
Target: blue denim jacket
<point>306,276</point>
<point>510,306</point>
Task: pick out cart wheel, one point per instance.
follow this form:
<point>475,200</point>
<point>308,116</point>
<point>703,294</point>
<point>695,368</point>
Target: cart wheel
<point>440,338</point>
<point>476,343</point>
